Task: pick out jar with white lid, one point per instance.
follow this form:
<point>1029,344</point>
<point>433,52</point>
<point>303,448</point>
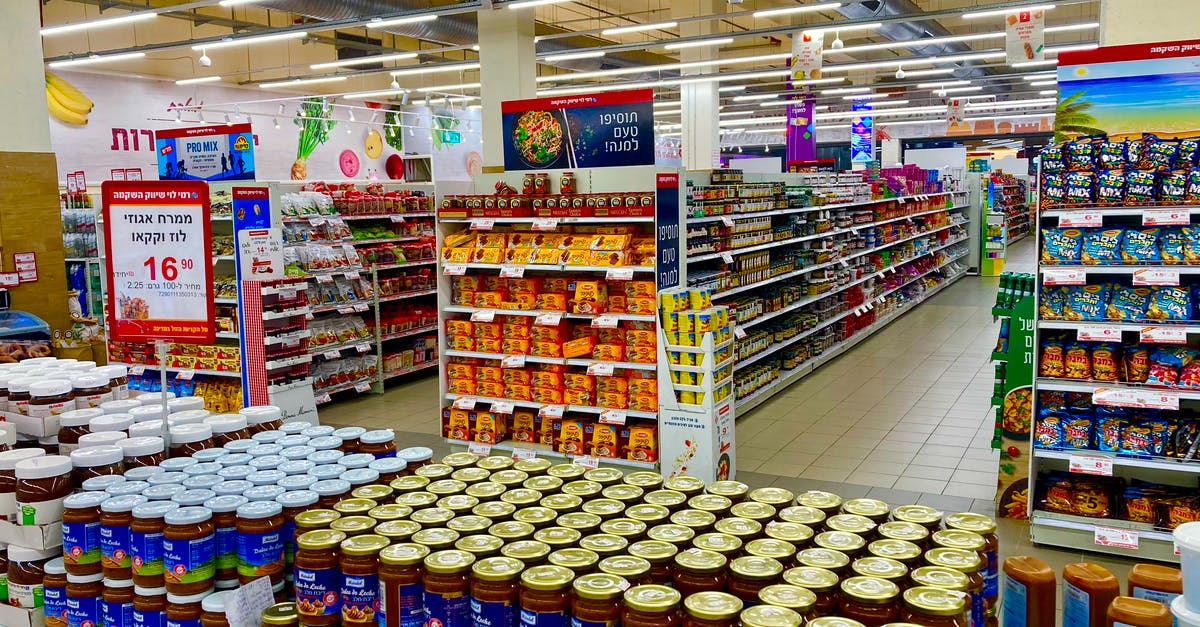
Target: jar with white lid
<point>349,436</point>
<point>26,570</point>
<point>240,446</point>
<point>119,406</point>
<point>415,456</point>
<point>227,428</point>
<point>265,477</point>
<point>357,460</point>
<point>389,468</point>
<point>118,380</point>
<point>380,442</point>
<point>187,439</point>
<point>326,457</point>
<point>202,468</point>
<point>42,484</point>
<point>267,462</point>
<point>232,487</point>
<point>143,451</point>
<point>193,498</point>
<point>360,477</point>
<point>271,436</point>
<point>163,492</point>
<point>296,483</point>
<point>210,455</point>
<point>185,403</point>
<point>330,491</point>
<point>297,453</point>
<point>78,366</point>
<point>294,427</point>
<point>143,473</point>
<point>128,488</point>
<point>170,477</point>
<point>110,422</point>
<point>295,439</point>
<point>106,438</point>
<point>316,431</point>
<point>83,598</point>
<point>116,606</point>
<point>144,412</point>
<point>49,444</point>
<point>103,483</point>
<point>40,361</point>
<point>5,376</point>
<point>18,394</point>
<point>264,492</point>
<point>235,473</point>
<point>75,423</point>
<point>50,398</point>
<point>188,416</point>
<point>326,443</point>
<point>262,418</point>
<point>96,461</point>
<point>202,482</point>
<point>262,450</point>
<point>91,390</point>
<point>149,429</point>
<point>155,398</point>
<point>234,459</point>
<point>8,436</point>
<point>327,471</point>
<point>177,464</point>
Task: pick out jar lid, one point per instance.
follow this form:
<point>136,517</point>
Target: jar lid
<point>109,422</point>
<point>267,462</point>
<point>561,502</point>
<point>558,537</point>
<point>547,577</point>
<point>756,567</point>
<point>417,500</point>
<point>232,486</point>
<point>600,586</point>
<point>166,478</point>
<point>509,477</point>
<point>811,577</point>
<point>494,462</point>
<point>497,568</point>
<point>526,550</point>
<point>582,488</point>
<point>740,527</point>
<point>280,613</point>
<point>141,446</point>
<point>155,398</point>
<point>20,384</point>
<point>604,476</point>
<point>790,596</point>
<point>188,515</point>
<point>43,467</point>
<point>870,508</point>
<point>353,525</point>
<point>79,417</point>
<point>574,558</point>
<point>353,506</point>
<point>263,413</point>
<point>483,490</point>
<point>375,492</point>
<point>585,521</point>
<point>363,545</point>
<point>154,509</point>
<point>163,492</point>
<point>873,590</point>
<point>719,542</point>
<point>26,554</point>
<point>882,567</point>
<point>297,498</point>
<point>963,561</point>
<point>50,387</point>
<point>494,509</point>
<point>603,543</point>
<point>410,483</point>
<point>92,578</point>
<point>291,440</point>
<point>262,450</point>
<point>316,518</point>
<point>234,459</point>
<point>710,503</point>
<point>209,455</point>
<point>902,530</point>
<point>264,492</point>
<point>145,412</point>
<point>265,477</point>
<point>225,503</point>
<point>293,454</point>
<point>700,560</point>
<point>240,446</point>
<point>802,514</point>
<point>114,371</point>
<point>55,566</point>
<point>128,487</point>
<point>652,598</point>
<point>404,554</point>
<point>349,433</point>
<point>603,508</point>
<point>819,499</point>
<point>102,483</point>
<point>96,456</point>
<point>327,471</point>
<point>840,541</point>
<point>393,511</point>
<point>850,523</point>
<point>771,547</point>
<point>644,479</point>
<point>146,428</point>
<point>214,603</point>
<point>460,460</point>
<point>271,436</point>
<point>431,516</point>
<point>85,500</point>
<point>939,577</point>
<point>202,468</point>
<point>226,423</point>
<point>775,497</point>
<point>900,550</point>
<point>521,496</point>
<point>935,601</point>
<point>468,475</point>
<point>713,606</point>
<point>543,483</point>
<point>449,561</point>
<point>458,503</point>
<point>770,616</point>
<point>385,465</point>
<point>442,487</point>
<point>480,545</point>
<point>188,433</point>
<point>959,539</point>
<point>918,514</point>
<point>191,498</point>
<point>188,416</point>
<point>970,521</point>
<point>414,454</point>
<point>297,482</point>
<point>202,482</point>
<point>824,558</point>
<point>377,436</point>
<point>324,443</point>
<point>624,527</point>
<point>294,427</point>
<point>534,466</point>
<point>688,485</point>
<point>436,538</point>
<point>628,566</point>
<point>356,460</point>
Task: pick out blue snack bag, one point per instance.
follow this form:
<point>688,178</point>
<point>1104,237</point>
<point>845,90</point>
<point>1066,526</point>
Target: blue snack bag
<point>1128,303</point>
<point>1141,187</point>
<point>1171,242</point>
<point>1086,303</point>
<point>1110,187</point>
<point>1140,246</point>
<point>1061,246</point>
<point>1101,247</point>
<point>1081,188</point>
<point>1170,303</point>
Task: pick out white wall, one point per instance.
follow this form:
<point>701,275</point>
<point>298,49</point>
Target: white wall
<point>937,158</point>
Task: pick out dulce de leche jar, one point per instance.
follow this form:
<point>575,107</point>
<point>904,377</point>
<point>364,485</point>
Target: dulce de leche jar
<point>401,597</point>
<point>711,609</point>
<point>495,590</point>
<point>81,532</point>
<point>651,606</point>
<point>146,542</point>
<point>262,418</point>
<point>317,578</point>
<point>447,588</point>
<point>189,550</point>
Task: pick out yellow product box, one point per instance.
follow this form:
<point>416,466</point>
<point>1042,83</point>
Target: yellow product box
<point>610,336</point>
<point>460,371</point>
<point>640,325</point>
<point>643,443</point>
<point>539,333</point>
<point>612,400</point>
<point>617,303</point>
<point>643,402</point>
<point>489,428</point>
<point>546,349</point>
<point>619,385</point>
<point>547,257</point>
<point>460,327</point>
<point>610,242</point>
<point>525,424</point>
<point>554,301</point>
<point>605,440</point>
<point>579,381</point>
<point>456,423</point>
<point>462,386</point>
<point>683,378</point>
<point>578,397</point>
<point>590,296</point>
<point>489,374</point>
<point>464,239</point>
<point>488,330</point>
<point>577,257</point>
<point>634,337</point>
<point>570,435</point>
<point>580,330</point>
<point>522,302</point>
<point>457,255</point>
<point>491,239</point>
<point>487,345</point>
<point>519,256</point>
<point>641,354</point>
<point>557,284</point>
<point>575,242</point>
<point>525,285</point>
<point>518,375</point>
<point>545,379</point>
<point>559,368</point>
<point>547,395</point>
<point>494,389</point>
<point>519,392</point>
<point>515,346</point>
<point>460,342</point>
<point>607,258</point>
<point>473,283</point>
<point>689,339</point>
<point>490,299</point>
<point>519,331</point>
<point>488,255</point>
<point>524,240</point>
<point>579,347</point>
<point>670,322</point>
<point>639,289</point>
<point>493,283</point>
<point>641,306</point>
<point>609,352</point>
<point>465,298</point>
<point>700,298</point>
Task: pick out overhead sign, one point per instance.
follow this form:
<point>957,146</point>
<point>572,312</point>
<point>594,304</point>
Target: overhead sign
<point>579,131</point>
<point>1025,37</point>
<point>800,135</point>
<point>159,263</point>
<point>955,110</point>
<point>807,48</point>
<point>205,153</point>
<point>862,134</point>
<point>666,210</point>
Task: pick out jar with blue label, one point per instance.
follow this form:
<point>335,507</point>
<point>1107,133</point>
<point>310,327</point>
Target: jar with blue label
<point>116,513</point>
<point>495,587</point>
<point>317,579</point>
<point>81,532</point>
<point>83,599</point>
<point>546,596</point>
<point>116,605</point>
<point>400,593</point>
<point>380,442</point>
<point>145,542</point>
<point>189,550</point>
<point>185,610</point>
<point>359,563</point>
<point>224,509</point>
<point>597,600</point>
<point>447,589</point>
<point>54,593</point>
<point>293,503</point>
<point>260,541</point>
<point>212,612</point>
<point>149,607</point>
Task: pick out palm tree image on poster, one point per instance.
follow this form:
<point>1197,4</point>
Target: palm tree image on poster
<point>1071,118</point>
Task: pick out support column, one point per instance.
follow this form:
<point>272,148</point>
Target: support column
<point>507,71</point>
<point>700,133</point>
<point>29,216</point>
<point>1125,22</point>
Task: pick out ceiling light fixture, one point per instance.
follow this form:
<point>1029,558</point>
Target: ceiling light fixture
<point>1042,83</point>
<point>1000,12</point>
<point>731,88</point>
<point>246,41</point>
<point>662,67</point>
<point>837,43</point>
<point>430,69</point>
<point>1048,92</point>
<point>571,56</point>
<point>1013,104</point>
<point>1034,63</point>
<point>204,59</point>
<point>178,116</point>
<point>413,19</point>
<point>638,28</point>
<point>720,41</point>
<point>1072,27</point>
<point>928,41</point>
<point>667,113</point>
<point>933,72</point>
<point>526,4</point>
<point>1072,48</point>
<point>888,103</point>
<point>198,79</point>
<point>835,115</point>
<point>960,90</point>
<point>845,90</point>
<point>394,84</point>
<point>822,31</point>
<point>865,96</point>
<point>667,103</point>
<point>942,84</point>
<point>128,18</point>
<point>710,78</point>
<point>96,58</point>
<point>900,72</point>
<point>302,81</point>
<point>458,87</point>
<point>809,8</point>
<point>751,97</point>
<point>234,3</point>
<point>379,58</point>
<point>1037,76</point>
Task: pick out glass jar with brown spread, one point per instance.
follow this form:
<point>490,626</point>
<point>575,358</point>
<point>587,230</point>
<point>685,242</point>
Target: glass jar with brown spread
<point>18,394</point>
<point>50,398</point>
<point>83,594</point>
<point>581,561</point>
<point>349,436</point>
<point>281,615</point>
<point>397,530</point>
<point>597,600</point>
<point>495,590</point>
<point>480,545</point>
<point>401,599</point>
<point>54,593</point>
<point>772,616</point>
<point>143,451</point>
<point>316,578</point>
<point>698,521</point>
<point>661,556</point>
<point>149,606</point>
<point>8,479</point>
<point>260,541</point>
<point>986,527</point>
<point>213,611</point>
<point>354,525</point>
<point>822,582</point>
<point>735,491</point>
<point>633,569</point>
<point>42,484</point>
<point>145,542</point>
<point>81,532</point>
<point>187,439</point>
<point>724,544</point>
<point>651,606</point>
<point>379,442</point>
<point>750,573</point>
<point>558,537</point>
<point>800,600</point>
<point>935,607</point>
<point>531,552</point>
<point>226,428</point>
<point>263,418</point>
<point>71,425</point>
<point>415,456</point>
<point>902,551</point>
<point>447,588</point>
<point>294,503</point>
<point>359,563</point>
<point>968,563</point>
<point>91,390</point>
<point>828,559</point>
<point>116,514</point>
<point>882,568</point>
<point>26,574</point>
<point>116,604</point>
<point>714,504</point>
<point>671,533</point>
<point>711,609</point>
<point>185,609</point>
<point>96,461</point>
<point>699,570</point>
<point>603,508</point>
<point>869,600</point>
<point>545,595</point>
<point>189,550</point>
<point>583,522</point>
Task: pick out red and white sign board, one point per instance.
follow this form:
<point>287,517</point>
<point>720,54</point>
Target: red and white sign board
<point>1064,276</point>
<point>1166,217</point>
<point>1163,335</point>
<point>1117,538</point>
<point>1101,465</point>
<point>1025,36</point>
<point>1080,218</point>
<point>1156,276</point>
<point>1139,399</point>
<point>159,265</point>
<point>1099,333</point>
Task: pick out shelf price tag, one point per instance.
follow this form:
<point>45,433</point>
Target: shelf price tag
<point>619,274</point>
<point>353,275</point>
<point>185,375</point>
<point>483,315</point>
<point>605,321</point>
<point>1139,399</point>
<point>363,348</point>
<point>482,224</point>
<point>322,399</point>
<point>513,361</point>
<point>589,462</point>
<point>479,449</point>
<point>727,221</point>
<point>1099,333</point>
<point>137,370</point>
<point>1064,276</point>
<point>548,319</point>
<point>454,269</point>
<point>551,411</point>
<point>1080,218</point>
<point>1156,276</point>
<point>345,310</point>
<point>1101,465</point>
<point>545,224</point>
<point>316,221</point>
<point>396,218</point>
<point>362,387</point>
<point>1163,335</point>
<point>1117,538</point>
<point>600,370</point>
<point>361,307</point>
<point>465,402</point>
<point>612,417</point>
<point>739,332</point>
<point>523,453</point>
<point>1166,217</point>
<point>287,294</point>
<point>510,271</point>
<point>727,257</point>
<point>502,407</point>
<point>324,278</point>
<point>332,354</point>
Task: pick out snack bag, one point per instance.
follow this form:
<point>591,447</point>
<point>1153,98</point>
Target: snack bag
<point>1160,154</point>
<point>1165,364</point>
<point>1191,193</point>
<point>1048,432</point>
<point>1104,362</point>
<point>1061,246</point>
<point>1081,154</point>
<point>1140,187</point>
<point>1128,303</point>
<point>1110,187</point>
<point>1088,302</point>
<point>1051,303</point>
<point>1108,428</point>
<point>1188,155</point>
<point>1101,246</point>
<point>1171,243</point>
<point>1140,246</point>
<point>1052,363</point>
<point>1172,187</point>
<point>1054,191</point>
<point>1078,361</point>
<point>1138,439</point>
<point>1111,154</point>
<point>1135,362</point>
<point>1189,376</point>
<point>1077,431</point>
<point>1052,159</point>
<point>1170,303</point>
<point>1081,189</point>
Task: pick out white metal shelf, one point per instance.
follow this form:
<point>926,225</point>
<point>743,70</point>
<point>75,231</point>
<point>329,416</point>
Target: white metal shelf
<point>1123,269</point>
<point>206,373</point>
<point>832,207</point>
<point>399,334</point>
<point>1123,326</point>
<point>1080,533</point>
<point>539,312</point>
<point>557,267</point>
<point>411,369</point>
<point>546,451</point>
<point>1154,463</point>
<point>1067,385</point>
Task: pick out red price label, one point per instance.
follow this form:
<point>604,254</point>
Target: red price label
<point>1099,333</point>
<point>1081,218</point>
<point>1163,335</point>
<point>362,387</point>
<point>483,315</point>
<point>612,417</point>
<point>1165,217</point>
<point>1139,399</point>
<point>588,462</point>
<point>1117,538</point>
<point>1156,276</point>
<point>1064,276</point>
<point>1101,465</point>
<point>502,407</point>
<point>485,224</point>
<point>619,274</point>
<point>551,411</point>
<point>548,319</point>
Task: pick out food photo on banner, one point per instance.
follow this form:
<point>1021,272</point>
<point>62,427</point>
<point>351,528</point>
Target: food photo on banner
<point>579,131</point>
<point>205,153</point>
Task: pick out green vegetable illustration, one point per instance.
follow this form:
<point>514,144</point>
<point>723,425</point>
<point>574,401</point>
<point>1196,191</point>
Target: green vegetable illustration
<point>315,122</point>
<point>442,122</point>
<point>393,133</point>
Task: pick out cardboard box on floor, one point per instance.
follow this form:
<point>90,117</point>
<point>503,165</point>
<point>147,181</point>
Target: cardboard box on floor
<point>21,617</point>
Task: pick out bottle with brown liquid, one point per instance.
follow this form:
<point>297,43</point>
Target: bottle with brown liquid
<point>1088,589</point>
<point>1030,587</point>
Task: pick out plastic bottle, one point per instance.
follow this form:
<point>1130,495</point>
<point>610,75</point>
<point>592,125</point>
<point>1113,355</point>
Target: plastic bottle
<point>1030,587</point>
<point>1155,583</point>
<point>1088,589</point>
<point>1131,612</point>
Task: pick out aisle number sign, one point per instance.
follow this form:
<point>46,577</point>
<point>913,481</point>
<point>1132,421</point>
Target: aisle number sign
<point>159,264</point>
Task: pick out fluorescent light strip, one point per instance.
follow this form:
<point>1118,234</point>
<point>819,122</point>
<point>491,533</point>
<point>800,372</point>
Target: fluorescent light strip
<point>1072,48</point>
<point>527,4</point>
<point>942,84</point>
<point>638,28</point>
<point>97,59</point>
<point>1034,63</point>
<point>842,29</point>
<point>672,112</point>
<point>888,103</point>
<point>234,3</point>
<point>431,69</point>
<point>367,95</point>
<point>570,56</point>
<point>458,87</point>
<point>1013,104</point>
<point>909,43</point>
<point>246,41</point>
<point>975,56</point>
<point>835,115</point>
<point>960,90</point>
<point>1042,83</point>
<point>1010,117</point>
<point>933,72</point>
<point>865,96</point>
<point>1040,75</point>
<point>720,41</point>
<point>1048,92</point>
<point>669,103</point>
<point>401,20</point>
<point>710,78</point>
<point>381,58</point>
<point>798,9</point>
<point>731,88</point>
<point>1000,12</point>
<point>642,69</point>
<point>845,90</point>
<point>1072,27</point>
<point>751,97</point>
<point>199,79</point>
<point>129,18</point>
<point>302,81</point>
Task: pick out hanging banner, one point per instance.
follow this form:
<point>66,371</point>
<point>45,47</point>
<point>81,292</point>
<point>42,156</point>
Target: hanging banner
<point>666,209</point>
<point>600,130</point>
<point>205,153</point>
<point>955,110</point>
<point>159,263</point>
<point>800,139</point>
<point>807,48</point>
<point>862,134</point>
<point>1025,37</point>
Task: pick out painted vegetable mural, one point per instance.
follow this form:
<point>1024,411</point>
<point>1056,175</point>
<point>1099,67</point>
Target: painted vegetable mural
<point>315,119</point>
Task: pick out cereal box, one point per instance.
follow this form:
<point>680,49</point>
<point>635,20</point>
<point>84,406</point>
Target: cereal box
<point>548,395</point>
<point>546,349</point>
<point>489,374</point>
<point>579,381</point>
<point>590,296</point>
<point>459,327</point>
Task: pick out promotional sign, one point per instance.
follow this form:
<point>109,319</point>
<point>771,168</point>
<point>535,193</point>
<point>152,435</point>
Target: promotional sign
<point>205,153</point>
<point>259,251</point>
<point>260,254</point>
<point>862,134</point>
<point>698,445</point>
<point>666,209</point>
<point>159,263</point>
<point>800,139</point>
<point>807,48</point>
<point>580,131</point>
<point>1012,399</point>
<point>955,108</point>
<point>1025,37</point>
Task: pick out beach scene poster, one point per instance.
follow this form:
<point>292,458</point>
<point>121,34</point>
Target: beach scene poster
<point>1125,91</point>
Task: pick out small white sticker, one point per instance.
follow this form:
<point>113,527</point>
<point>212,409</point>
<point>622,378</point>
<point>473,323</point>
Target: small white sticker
<point>465,402</point>
<point>523,453</point>
<point>545,224</point>
<point>363,348</point>
<point>605,321</point>
<point>587,461</point>
<point>454,269</point>
<point>513,361</point>
<point>548,319</point>
<point>333,354</point>
<point>1101,465</point>
<point>185,375</point>
<point>619,274</point>
<point>502,407</point>
<point>551,411</point>
<point>483,315</point>
<point>362,387</point>
<point>479,449</point>
<point>482,224</point>
<point>600,369</point>
<point>1117,538</point>
<point>510,271</point>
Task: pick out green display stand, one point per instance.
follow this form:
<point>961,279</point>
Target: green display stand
<point>1012,396</point>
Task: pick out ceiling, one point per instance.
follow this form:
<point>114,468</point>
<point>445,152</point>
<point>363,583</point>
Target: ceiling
<point>338,30</point>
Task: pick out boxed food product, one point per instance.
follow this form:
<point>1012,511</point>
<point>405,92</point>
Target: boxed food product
<point>489,427</point>
<point>570,436</point>
<point>525,425</point>
<point>643,443</point>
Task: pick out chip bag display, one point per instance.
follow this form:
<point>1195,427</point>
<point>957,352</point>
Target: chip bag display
<point>1101,246</point>
<point>1128,303</point>
<point>1086,302</point>
<point>1140,246</point>
<point>1061,246</point>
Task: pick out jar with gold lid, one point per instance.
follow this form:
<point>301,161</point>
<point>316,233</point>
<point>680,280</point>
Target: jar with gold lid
<point>782,551</point>
<point>445,487</point>
<point>874,509</point>
<point>849,543</point>
<point>498,511</point>
<point>829,559</point>
<point>579,561</point>
<point>354,507</point>
<point>827,502</point>
<point>628,528</point>
<point>437,538</point>
<point>585,523</point>
<point>839,621</point>
<point>279,615</point>
<point>959,539</point>
<point>711,609</point>
<point>883,568</point>
<point>480,545</point>
<point>985,526</point>
<point>460,460</point>
<point>558,537</point>
<point>800,600</point>
<point>567,472</point>
<point>604,544</point>
<point>770,616</point>
<point>561,503</point>
<point>903,530</point>
<point>688,485</point>
<point>604,476</point>
<point>460,504</point>
<point>409,483</point>
<point>777,498</point>
<point>743,529</point>
<point>512,530</point>
<point>353,525</point>
<point>660,555</point>
<point>627,494</point>
<point>645,479</point>
<point>417,500</point>
<point>939,577</point>
<point>604,508</point>
<point>803,515</point>
<point>699,570</point>
<point>531,552</point>
<point>494,463</point>
<point>675,534</point>
<point>651,606</point>
<point>851,523</point>
<point>597,599</point>
<point>633,569</point>
<point>699,521</point>
<point>749,574</point>
<point>510,478</point>
<point>389,511</point>
<point>470,476</point>
<point>534,466</point>
<point>869,600</point>
<point>798,535</point>
<point>537,516</point>
<point>545,484</point>
<point>649,513</point>
<point>485,490</point>
<point>923,515</point>
<point>934,607</point>
<point>431,516</point>
<point>724,544</point>
<point>968,563</point>
<point>902,551</point>
<point>397,530</point>
<point>753,510</point>
<point>447,587</point>
<point>469,524</point>
<point>821,582</point>
<point>400,599</point>
<point>435,472</point>
<point>495,591</point>
<point>521,497</point>
<point>582,488</point>
<point>714,504</point>
<point>670,499</point>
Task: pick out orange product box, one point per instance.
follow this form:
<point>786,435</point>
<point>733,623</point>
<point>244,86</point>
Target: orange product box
<point>579,397</point>
<point>459,327</point>
<point>547,256</point>
<point>545,349</point>
<point>546,379</point>
<point>640,289</point>
<point>551,301</point>
<point>590,296</point>
<point>542,333</point>
<point>584,330</point>
<point>486,374</point>
<point>604,440</point>
<point>462,386</point>
<point>525,285</point>
<point>518,375</point>
<point>643,443</point>
<point>609,352</point>
<point>618,303</point>
<point>575,242</point>
<point>579,347</point>
<point>641,306</point>
<point>643,402</point>
<point>639,325</point>
<point>487,255</point>
<point>456,423</point>
<point>490,428</point>
<point>579,381</point>
<point>619,385</point>
<point>490,299</point>
<point>641,354</point>
<point>517,391</point>
<point>641,385</point>
<point>464,239</point>
<point>559,368</point>
<point>519,331</point>
<point>548,395</point>
<point>546,431</point>
<point>494,389</point>
<point>493,283</point>
<point>610,242</point>
<point>607,258</point>
<point>488,330</point>
<point>610,336</point>
<point>460,342</point>
<point>523,302</point>
<point>520,256</point>
<point>487,345</point>
<point>557,284</point>
<point>457,255</point>
<point>570,436</point>
<point>468,282</point>
<point>466,298</point>
<point>525,425</point>
<point>633,337</point>
<point>460,371</point>
<point>515,346</point>
<point>491,239</point>
<point>612,400</point>
<point>576,257</point>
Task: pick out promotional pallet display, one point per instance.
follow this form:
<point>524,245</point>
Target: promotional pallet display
<point>863,274</point>
<point>1012,396</point>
